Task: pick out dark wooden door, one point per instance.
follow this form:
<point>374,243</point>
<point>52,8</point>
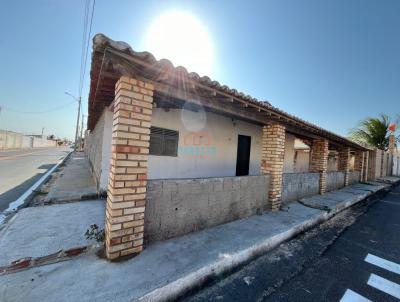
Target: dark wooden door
<point>243,155</point>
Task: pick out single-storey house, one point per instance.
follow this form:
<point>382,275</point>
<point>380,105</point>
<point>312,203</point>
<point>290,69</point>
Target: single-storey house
<point>176,152</point>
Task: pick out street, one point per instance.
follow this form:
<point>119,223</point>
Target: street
<point>353,257</point>
<point>22,168</point>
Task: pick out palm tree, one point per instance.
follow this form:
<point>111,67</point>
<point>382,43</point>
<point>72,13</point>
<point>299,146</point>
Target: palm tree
<point>373,132</point>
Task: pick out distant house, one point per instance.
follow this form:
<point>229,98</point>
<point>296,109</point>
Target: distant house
<point>177,152</point>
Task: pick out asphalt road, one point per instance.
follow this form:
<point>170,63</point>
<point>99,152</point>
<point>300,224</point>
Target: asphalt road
<point>19,170</point>
<point>345,259</point>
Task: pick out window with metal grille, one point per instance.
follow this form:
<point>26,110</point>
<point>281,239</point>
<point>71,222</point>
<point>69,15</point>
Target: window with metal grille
<point>163,142</point>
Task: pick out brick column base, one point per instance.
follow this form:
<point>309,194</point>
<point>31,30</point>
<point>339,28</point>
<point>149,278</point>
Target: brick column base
<point>319,161</point>
<point>127,181</point>
<point>366,166</point>
<point>273,151</point>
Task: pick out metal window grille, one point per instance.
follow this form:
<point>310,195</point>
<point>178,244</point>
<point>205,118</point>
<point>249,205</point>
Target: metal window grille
<point>163,142</point>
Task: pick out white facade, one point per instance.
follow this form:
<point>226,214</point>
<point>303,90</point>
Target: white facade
<point>297,157</point>
<point>98,148</point>
<point>288,164</point>
<point>396,165</point>
<point>14,140</point>
<point>207,145</point>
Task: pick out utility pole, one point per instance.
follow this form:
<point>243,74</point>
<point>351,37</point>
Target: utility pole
<point>81,141</point>
<point>77,124</point>
<point>42,131</point>
<point>77,119</point>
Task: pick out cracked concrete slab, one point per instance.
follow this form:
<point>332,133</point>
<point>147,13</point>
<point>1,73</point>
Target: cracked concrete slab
<point>40,231</point>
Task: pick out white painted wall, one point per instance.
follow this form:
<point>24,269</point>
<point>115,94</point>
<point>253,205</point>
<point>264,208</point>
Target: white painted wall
<point>98,148</point>
<point>302,161</point>
<point>42,142</point>
<point>219,157</point>
<point>333,161</point>
<point>14,140</point>
<point>213,160</point>
<point>396,165</point>
<point>27,142</point>
<point>295,160</point>
<point>288,164</point>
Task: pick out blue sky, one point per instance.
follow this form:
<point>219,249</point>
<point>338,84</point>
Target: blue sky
<point>329,62</point>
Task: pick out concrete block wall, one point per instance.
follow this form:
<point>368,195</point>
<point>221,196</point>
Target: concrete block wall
<point>299,185</point>
<point>335,180</point>
<point>15,140</point>
<point>396,166</point>
<point>354,177</point>
<point>179,206</point>
<point>384,164</point>
<point>39,142</point>
<point>10,140</point>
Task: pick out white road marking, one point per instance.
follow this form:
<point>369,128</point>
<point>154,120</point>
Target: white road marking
<point>383,263</point>
<point>384,285</point>
<point>351,296</point>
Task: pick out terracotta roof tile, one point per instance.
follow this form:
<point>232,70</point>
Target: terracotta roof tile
<point>100,42</point>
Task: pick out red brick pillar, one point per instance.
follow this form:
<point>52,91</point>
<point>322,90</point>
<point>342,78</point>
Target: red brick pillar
<point>128,173</point>
<point>359,163</point>
<point>319,161</point>
<point>273,151</point>
<point>366,166</point>
<point>344,163</point>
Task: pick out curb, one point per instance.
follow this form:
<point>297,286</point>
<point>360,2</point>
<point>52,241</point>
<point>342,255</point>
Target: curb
<point>25,198</point>
<point>178,288</point>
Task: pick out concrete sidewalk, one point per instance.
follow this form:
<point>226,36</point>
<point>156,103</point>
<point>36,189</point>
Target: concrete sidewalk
<point>166,269</point>
<point>41,231</point>
<point>75,181</point>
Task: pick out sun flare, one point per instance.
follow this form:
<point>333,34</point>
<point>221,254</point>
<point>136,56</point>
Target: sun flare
<point>181,38</point>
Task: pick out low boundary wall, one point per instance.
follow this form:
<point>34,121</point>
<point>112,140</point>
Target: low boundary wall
<point>354,177</point>
<point>299,185</point>
<point>14,140</point>
<point>334,180</point>
<point>179,206</point>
